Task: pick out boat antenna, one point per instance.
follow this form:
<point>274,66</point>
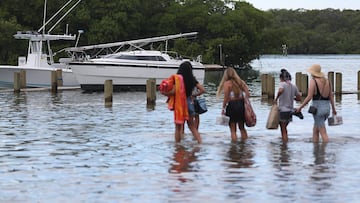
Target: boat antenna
<point>47,22</point>
<point>64,15</point>
<point>44,20</point>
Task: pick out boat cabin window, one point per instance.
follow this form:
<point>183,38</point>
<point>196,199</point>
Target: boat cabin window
<point>140,58</point>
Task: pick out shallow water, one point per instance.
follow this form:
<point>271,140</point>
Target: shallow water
<point>69,147</point>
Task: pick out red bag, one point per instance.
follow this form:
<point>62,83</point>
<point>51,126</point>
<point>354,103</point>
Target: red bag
<point>250,116</point>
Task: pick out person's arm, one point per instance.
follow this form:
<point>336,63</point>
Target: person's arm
<point>280,91</point>
<point>201,90</point>
<point>226,90</point>
<point>311,92</point>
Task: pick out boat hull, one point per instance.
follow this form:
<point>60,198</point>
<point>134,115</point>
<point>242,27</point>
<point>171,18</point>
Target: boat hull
<point>35,77</point>
<point>92,76</point>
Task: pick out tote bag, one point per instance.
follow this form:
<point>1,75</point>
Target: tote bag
<point>250,116</point>
<point>200,105</point>
<point>273,118</point>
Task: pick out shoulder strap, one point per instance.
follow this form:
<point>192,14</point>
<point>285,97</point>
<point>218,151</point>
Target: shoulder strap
<point>317,88</point>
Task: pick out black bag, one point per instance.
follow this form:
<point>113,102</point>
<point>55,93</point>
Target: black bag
<point>312,110</point>
<point>200,105</point>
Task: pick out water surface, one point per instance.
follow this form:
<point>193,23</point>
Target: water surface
<point>69,148</point>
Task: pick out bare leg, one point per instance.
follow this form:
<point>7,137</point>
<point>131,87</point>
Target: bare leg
<point>193,130</point>
<point>284,132</point>
<point>178,132</point>
<point>182,131</point>
<point>315,134</point>
<point>233,131</point>
<point>243,131</point>
<point>323,133</point>
<point>197,121</point>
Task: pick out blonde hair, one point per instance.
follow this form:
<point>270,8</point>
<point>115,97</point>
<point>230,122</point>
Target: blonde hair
<point>237,83</point>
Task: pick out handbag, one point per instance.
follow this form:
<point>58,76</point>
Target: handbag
<point>250,116</point>
<point>222,120</point>
<point>200,105</point>
<point>312,110</point>
<point>335,120</point>
<point>273,118</point>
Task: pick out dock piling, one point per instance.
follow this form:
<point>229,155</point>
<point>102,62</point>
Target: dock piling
<point>54,86</point>
<point>16,82</point>
<point>108,93</point>
<point>59,77</point>
<point>264,84</point>
<point>304,84</point>
<point>331,79</point>
<point>151,93</point>
<point>22,79</point>
<point>338,85</point>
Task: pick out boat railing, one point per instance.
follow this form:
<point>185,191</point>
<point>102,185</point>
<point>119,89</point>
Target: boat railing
<point>82,53</point>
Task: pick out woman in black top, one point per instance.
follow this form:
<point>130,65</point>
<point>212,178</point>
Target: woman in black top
<point>322,97</point>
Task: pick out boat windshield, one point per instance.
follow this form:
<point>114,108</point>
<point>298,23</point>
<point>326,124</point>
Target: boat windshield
<point>137,57</point>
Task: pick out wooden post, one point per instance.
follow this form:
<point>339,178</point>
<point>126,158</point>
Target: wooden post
<point>151,93</point>
<point>298,81</point>
<point>22,79</point>
<point>108,93</point>
<point>16,82</point>
<point>59,77</point>
<point>264,79</point>
<point>331,79</point>
<point>304,84</point>
<point>338,85</point>
<point>54,85</point>
<point>271,87</point>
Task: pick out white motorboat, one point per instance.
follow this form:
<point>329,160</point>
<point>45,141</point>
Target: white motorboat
<point>39,63</point>
<point>129,69</point>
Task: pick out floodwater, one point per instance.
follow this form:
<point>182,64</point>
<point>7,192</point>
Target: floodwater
<point>69,147</point>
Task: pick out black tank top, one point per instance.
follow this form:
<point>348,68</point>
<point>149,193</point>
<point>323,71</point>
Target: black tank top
<point>318,95</point>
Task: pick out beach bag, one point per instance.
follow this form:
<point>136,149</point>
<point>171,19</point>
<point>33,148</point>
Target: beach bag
<point>250,116</point>
<point>273,118</point>
<point>222,120</point>
<point>166,85</point>
<point>200,105</point>
<point>335,120</point>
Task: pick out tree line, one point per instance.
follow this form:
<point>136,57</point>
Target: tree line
<point>235,29</point>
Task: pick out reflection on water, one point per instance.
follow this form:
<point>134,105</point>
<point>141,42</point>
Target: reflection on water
<point>182,160</point>
<point>323,174</point>
<point>239,160</point>
<point>241,154</point>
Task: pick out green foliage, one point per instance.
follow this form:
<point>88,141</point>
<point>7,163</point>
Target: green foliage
<point>242,31</point>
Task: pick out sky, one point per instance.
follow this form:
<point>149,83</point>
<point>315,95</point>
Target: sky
<point>306,4</point>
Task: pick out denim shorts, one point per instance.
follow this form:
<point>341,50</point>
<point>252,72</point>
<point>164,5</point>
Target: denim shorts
<point>323,112</point>
<point>191,107</point>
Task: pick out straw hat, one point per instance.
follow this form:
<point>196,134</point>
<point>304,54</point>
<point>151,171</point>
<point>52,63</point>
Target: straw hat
<point>315,70</point>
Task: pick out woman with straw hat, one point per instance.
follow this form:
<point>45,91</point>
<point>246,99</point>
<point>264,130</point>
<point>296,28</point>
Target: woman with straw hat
<point>320,92</point>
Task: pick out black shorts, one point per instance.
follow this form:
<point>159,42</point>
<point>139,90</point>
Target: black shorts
<point>235,110</point>
<point>286,116</point>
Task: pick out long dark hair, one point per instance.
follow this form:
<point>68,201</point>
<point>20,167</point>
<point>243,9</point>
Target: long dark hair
<point>185,70</point>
